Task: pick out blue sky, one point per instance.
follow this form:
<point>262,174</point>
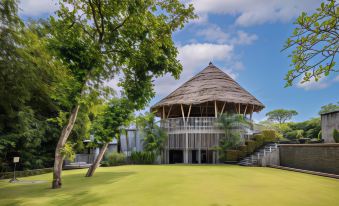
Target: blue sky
<point>244,38</point>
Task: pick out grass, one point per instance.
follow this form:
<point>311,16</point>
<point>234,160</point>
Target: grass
<point>176,185</point>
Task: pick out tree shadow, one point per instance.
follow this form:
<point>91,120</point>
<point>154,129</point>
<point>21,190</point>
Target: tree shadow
<point>17,194</point>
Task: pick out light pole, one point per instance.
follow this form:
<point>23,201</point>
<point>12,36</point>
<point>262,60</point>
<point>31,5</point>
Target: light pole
<point>15,160</point>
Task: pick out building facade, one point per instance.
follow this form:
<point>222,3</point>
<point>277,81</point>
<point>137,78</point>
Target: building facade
<point>329,122</point>
<point>189,115</point>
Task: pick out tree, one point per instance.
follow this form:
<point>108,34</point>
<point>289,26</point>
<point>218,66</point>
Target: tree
<point>315,44</point>
<point>107,126</point>
<point>329,108</point>
<point>153,136</point>
<point>98,39</point>
<point>232,125</point>
<point>34,88</point>
<point>281,115</point>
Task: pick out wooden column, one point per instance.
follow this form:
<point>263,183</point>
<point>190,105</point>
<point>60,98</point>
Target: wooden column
<point>222,109</point>
<point>186,136</point>
<point>215,109</point>
<point>169,111</point>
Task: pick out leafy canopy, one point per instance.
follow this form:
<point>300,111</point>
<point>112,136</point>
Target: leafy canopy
<point>281,115</point>
<point>99,39</point>
<point>108,124</point>
<point>153,136</point>
<point>315,44</point>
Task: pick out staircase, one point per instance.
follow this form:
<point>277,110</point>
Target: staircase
<point>254,159</point>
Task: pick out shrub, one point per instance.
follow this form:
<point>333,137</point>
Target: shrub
<point>232,155</point>
<point>242,151</point>
<point>25,173</point>
<point>269,135</point>
<point>336,135</point>
<point>251,145</point>
<point>142,157</point>
<point>116,158</point>
<point>104,163</point>
<point>259,139</point>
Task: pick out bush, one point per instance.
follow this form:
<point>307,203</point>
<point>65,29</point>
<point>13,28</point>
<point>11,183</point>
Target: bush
<point>116,158</point>
<point>251,145</point>
<point>104,163</point>
<point>242,151</point>
<point>259,139</point>
<point>336,135</point>
<point>269,135</point>
<point>142,157</point>
<point>232,155</point>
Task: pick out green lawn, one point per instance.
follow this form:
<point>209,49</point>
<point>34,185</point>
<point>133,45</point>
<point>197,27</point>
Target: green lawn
<point>176,185</point>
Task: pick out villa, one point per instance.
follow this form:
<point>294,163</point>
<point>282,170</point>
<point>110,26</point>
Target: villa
<point>189,115</point>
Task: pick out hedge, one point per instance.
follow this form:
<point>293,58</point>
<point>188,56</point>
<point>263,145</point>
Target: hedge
<point>259,140</point>
<point>232,155</point>
<point>251,146</point>
<point>269,135</point>
<point>25,173</point>
<point>242,151</point>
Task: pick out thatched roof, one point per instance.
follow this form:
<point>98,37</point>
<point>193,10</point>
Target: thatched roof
<point>211,84</point>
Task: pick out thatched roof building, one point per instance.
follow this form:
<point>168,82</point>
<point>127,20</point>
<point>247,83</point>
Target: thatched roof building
<point>208,93</point>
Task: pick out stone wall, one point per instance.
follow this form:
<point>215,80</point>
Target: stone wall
<point>329,122</point>
<point>315,157</point>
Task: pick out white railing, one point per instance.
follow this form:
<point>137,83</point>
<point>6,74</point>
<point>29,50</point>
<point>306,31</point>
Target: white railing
<point>191,125</point>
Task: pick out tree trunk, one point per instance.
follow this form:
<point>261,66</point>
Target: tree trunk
<point>97,161</point>
<point>58,160</point>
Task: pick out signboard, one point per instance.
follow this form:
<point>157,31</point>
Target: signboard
<point>16,159</point>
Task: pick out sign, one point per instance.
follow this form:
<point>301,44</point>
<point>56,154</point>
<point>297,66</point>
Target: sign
<point>16,159</point>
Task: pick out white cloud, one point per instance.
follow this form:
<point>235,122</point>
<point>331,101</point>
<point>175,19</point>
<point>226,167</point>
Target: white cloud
<point>35,8</point>
<point>215,34</point>
<point>314,85</point>
<point>244,38</point>
<point>194,57</point>
<point>254,12</point>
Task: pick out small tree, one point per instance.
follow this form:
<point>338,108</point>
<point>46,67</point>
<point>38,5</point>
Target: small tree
<point>315,43</point>
<point>153,136</point>
<point>232,125</point>
<point>108,125</point>
<point>281,115</point>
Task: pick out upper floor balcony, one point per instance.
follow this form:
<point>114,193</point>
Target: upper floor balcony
<point>192,125</point>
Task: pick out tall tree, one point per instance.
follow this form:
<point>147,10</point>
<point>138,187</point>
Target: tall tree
<point>34,87</point>
<point>98,39</point>
<point>281,115</point>
<point>315,44</point>
<point>107,126</point>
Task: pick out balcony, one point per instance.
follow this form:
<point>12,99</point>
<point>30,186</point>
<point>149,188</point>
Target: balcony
<point>192,125</point>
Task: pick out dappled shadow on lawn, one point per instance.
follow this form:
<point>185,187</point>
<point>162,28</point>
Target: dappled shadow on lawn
<point>76,190</point>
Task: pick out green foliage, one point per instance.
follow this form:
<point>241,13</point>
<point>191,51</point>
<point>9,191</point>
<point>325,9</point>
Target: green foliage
<point>281,115</point>
<point>153,136</point>
<point>336,135</point>
<point>289,130</point>
<point>300,134</point>
<point>233,126</point>
<point>251,146</point>
<point>107,125</point>
<point>144,157</point>
<point>269,135</point>
<point>315,44</point>
<point>329,108</point>
<point>131,37</point>
<point>67,152</point>
<point>115,158</point>
<point>35,87</point>
<point>232,155</point>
